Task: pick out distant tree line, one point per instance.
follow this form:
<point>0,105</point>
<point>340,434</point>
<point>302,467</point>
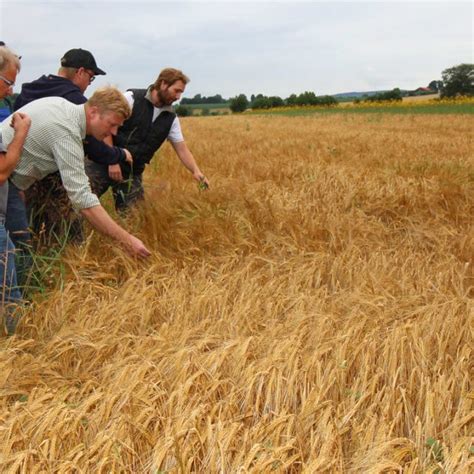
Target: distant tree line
<point>456,81</point>
<point>240,103</point>
<point>394,95</point>
<point>260,101</point>
<point>199,99</point>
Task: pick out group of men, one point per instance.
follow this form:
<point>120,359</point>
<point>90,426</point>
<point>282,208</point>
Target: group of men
<point>59,149</point>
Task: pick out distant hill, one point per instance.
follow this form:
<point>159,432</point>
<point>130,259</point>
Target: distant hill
<point>348,96</point>
<point>355,95</point>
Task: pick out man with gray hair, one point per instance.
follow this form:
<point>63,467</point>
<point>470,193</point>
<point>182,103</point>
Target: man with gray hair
<point>19,124</point>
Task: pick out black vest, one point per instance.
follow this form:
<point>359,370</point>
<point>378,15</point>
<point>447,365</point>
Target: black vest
<point>139,134</point>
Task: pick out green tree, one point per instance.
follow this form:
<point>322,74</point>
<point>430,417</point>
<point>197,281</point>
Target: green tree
<point>276,101</point>
<point>261,103</point>
<point>184,111</point>
<point>292,100</point>
<point>458,80</point>
<point>307,98</point>
<point>327,100</point>
<point>264,102</point>
<point>239,103</point>
<point>388,96</point>
<point>435,85</point>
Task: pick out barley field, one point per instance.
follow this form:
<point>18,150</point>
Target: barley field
<point>311,313</point>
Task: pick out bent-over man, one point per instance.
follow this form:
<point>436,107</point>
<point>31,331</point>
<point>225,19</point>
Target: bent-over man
<point>54,143</point>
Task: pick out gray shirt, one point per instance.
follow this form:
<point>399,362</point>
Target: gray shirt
<point>54,142</point>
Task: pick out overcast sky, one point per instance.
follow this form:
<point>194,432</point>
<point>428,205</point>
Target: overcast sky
<point>251,47</point>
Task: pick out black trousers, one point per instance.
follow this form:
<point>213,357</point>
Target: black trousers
<point>50,215</point>
<point>125,193</point>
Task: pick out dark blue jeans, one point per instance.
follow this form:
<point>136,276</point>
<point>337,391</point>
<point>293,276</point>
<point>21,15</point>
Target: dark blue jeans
<point>10,293</point>
<point>17,226</point>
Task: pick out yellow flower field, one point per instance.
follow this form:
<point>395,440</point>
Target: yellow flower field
<point>311,313</point>
<point>407,104</point>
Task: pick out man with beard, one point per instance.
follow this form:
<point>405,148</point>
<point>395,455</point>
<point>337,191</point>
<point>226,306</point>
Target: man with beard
<point>153,120</point>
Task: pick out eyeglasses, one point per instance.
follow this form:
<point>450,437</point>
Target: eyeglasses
<point>91,76</point>
<point>7,81</point>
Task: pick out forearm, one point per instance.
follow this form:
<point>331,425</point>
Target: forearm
<point>101,221</point>
<point>186,157</point>
<point>12,156</point>
<point>190,163</point>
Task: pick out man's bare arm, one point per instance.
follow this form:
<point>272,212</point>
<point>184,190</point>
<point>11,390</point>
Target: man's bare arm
<point>100,220</point>
<point>187,158</point>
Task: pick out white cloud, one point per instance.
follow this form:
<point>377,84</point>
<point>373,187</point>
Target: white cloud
<point>248,46</point>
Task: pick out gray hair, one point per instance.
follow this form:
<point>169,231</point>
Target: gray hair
<point>8,57</point>
<point>67,72</point>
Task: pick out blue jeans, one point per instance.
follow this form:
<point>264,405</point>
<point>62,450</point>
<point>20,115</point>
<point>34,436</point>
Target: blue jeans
<point>17,226</point>
<point>10,293</point>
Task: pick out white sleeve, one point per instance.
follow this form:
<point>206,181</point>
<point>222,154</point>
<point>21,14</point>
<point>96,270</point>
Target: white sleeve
<point>68,153</point>
<point>130,99</point>
<point>175,135</point>
<point>6,135</point>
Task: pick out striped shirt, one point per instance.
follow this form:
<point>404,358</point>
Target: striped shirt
<point>54,142</point>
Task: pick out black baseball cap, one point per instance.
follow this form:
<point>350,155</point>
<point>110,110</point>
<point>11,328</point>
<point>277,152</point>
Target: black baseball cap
<point>81,58</point>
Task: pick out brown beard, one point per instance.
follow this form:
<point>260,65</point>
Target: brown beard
<point>164,99</point>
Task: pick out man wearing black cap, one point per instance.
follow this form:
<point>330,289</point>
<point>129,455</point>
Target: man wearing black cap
<point>49,209</point>
<point>78,69</point>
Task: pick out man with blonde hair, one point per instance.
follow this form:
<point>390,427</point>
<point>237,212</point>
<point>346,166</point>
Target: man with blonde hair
<point>153,120</point>
<point>19,125</point>
<point>54,143</point>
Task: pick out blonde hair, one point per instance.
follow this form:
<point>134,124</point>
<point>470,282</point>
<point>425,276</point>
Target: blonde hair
<point>7,57</point>
<point>110,99</point>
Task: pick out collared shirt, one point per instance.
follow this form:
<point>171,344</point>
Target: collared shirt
<point>54,142</point>
<point>175,135</point>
